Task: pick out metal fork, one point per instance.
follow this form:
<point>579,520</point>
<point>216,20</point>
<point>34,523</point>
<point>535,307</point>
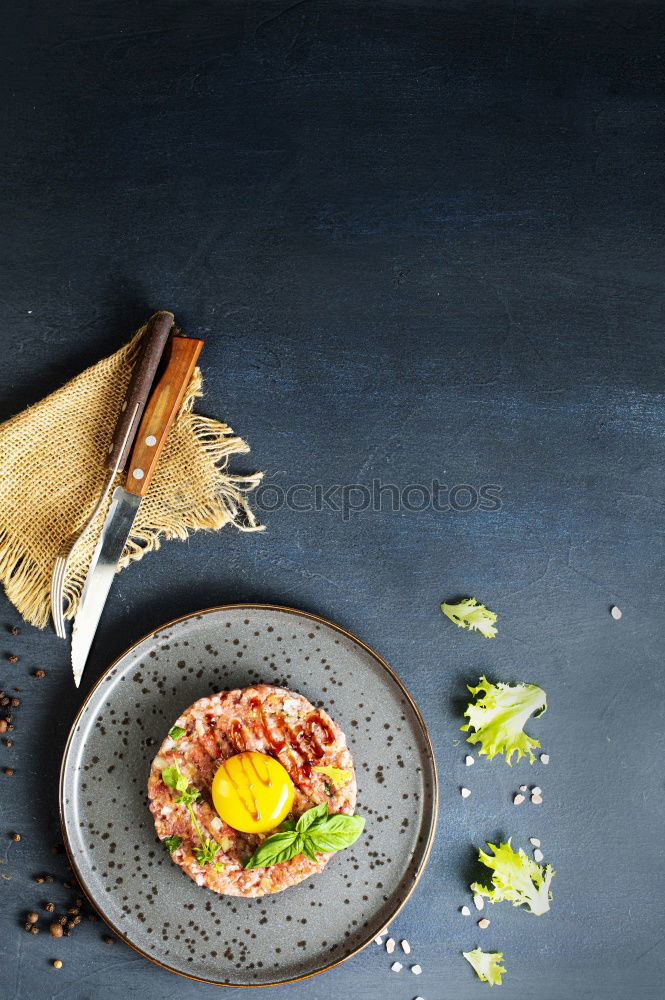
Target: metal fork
<point>154,341</point>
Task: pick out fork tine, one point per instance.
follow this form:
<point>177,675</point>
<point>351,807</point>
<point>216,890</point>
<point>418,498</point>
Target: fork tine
<point>57,581</point>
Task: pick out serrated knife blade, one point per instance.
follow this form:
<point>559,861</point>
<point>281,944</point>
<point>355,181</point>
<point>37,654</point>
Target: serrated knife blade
<point>103,566</point>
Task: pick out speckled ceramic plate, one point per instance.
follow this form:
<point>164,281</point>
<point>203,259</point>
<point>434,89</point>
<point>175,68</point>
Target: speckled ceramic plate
<point>128,874</point>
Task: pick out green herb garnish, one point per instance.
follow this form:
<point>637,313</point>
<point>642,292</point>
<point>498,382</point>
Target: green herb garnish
<point>173,843</point>
<point>499,716</point>
<point>314,831</point>
<point>487,965</point>
<point>174,778</point>
<point>205,854</point>
<point>187,794</point>
<point>516,879</point>
<point>337,775</point>
<point>469,614</point>
<point>175,732</point>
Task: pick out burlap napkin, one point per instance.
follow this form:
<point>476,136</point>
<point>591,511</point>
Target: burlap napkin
<point>52,474</point>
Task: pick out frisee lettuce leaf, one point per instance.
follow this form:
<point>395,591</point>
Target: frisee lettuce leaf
<point>469,614</point>
<point>516,879</point>
<point>498,717</point>
<point>487,965</point>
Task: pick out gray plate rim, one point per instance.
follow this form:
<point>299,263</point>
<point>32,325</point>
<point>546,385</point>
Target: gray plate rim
<point>393,676</point>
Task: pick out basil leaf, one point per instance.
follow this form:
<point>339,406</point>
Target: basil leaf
<point>277,847</point>
<point>287,824</point>
<point>173,843</point>
<point>307,849</point>
<point>313,816</point>
<point>335,833</point>
<point>175,732</point>
<point>172,777</point>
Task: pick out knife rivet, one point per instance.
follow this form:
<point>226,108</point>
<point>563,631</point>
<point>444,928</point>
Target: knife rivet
<point>138,473</point>
<point>151,440</point>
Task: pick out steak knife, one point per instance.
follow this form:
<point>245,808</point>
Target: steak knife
<point>161,410</point>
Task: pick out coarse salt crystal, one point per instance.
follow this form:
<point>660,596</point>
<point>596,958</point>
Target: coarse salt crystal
<point>483,924</point>
<point>406,947</point>
<point>544,758</point>
<point>390,945</point>
<point>469,760</point>
<point>396,967</point>
<point>538,855</point>
<point>465,792</point>
<point>523,788</point>
<point>478,902</point>
<point>416,970</point>
<point>378,939</point>
<point>518,799</point>
<point>615,612</point>
<point>534,841</point>
<point>537,799</point>
<point>536,790</point>
<point>465,911</point>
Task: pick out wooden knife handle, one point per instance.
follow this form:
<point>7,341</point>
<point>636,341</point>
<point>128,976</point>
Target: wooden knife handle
<point>162,409</point>
<point>153,343</point>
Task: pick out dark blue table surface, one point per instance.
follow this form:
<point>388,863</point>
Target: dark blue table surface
<point>422,241</point>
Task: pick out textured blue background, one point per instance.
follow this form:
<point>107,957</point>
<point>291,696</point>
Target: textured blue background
<point>421,240</point>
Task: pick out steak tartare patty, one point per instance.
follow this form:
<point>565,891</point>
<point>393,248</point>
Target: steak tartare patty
<point>269,720</point>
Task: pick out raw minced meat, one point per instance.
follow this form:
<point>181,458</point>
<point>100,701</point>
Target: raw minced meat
<point>269,720</point>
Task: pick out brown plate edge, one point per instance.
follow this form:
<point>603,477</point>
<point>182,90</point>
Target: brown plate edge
<point>428,744</point>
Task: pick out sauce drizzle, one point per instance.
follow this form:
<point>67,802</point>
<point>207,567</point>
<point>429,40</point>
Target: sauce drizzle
<point>304,743</point>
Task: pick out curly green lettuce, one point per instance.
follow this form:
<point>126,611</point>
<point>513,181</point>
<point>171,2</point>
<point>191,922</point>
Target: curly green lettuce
<point>469,614</point>
<point>499,716</point>
<point>487,965</point>
<point>516,879</point>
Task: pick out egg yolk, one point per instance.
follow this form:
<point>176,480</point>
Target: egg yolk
<point>252,792</point>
